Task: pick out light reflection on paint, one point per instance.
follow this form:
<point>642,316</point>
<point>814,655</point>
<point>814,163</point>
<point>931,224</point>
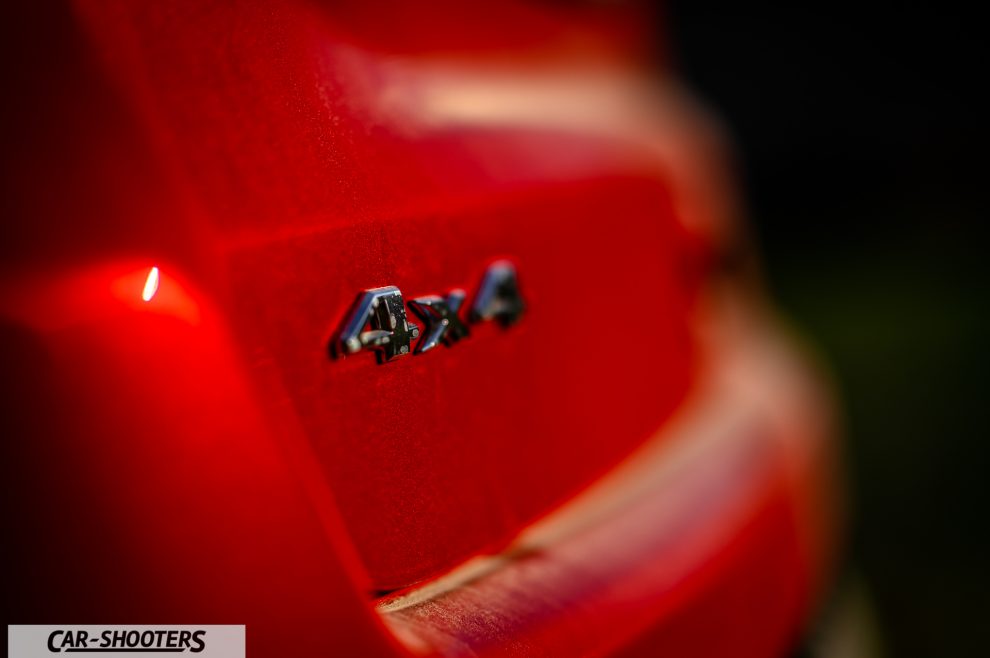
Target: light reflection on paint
<point>150,285</point>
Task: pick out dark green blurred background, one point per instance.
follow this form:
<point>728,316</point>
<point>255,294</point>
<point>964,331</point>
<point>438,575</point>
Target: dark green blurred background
<point>862,135</point>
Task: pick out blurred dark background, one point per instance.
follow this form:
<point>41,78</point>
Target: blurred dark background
<point>863,140</point>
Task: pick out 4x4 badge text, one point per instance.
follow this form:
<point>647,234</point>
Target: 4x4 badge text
<point>378,321</point>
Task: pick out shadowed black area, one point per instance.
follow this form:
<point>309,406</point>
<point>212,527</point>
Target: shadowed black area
<point>863,138</point>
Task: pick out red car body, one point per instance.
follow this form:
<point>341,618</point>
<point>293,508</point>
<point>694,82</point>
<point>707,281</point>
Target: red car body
<point>642,465</point>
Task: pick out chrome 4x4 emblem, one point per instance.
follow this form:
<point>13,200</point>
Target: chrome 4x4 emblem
<point>378,320</point>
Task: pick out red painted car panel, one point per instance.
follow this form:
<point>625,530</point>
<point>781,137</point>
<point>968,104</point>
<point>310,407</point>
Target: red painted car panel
<point>198,456</point>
